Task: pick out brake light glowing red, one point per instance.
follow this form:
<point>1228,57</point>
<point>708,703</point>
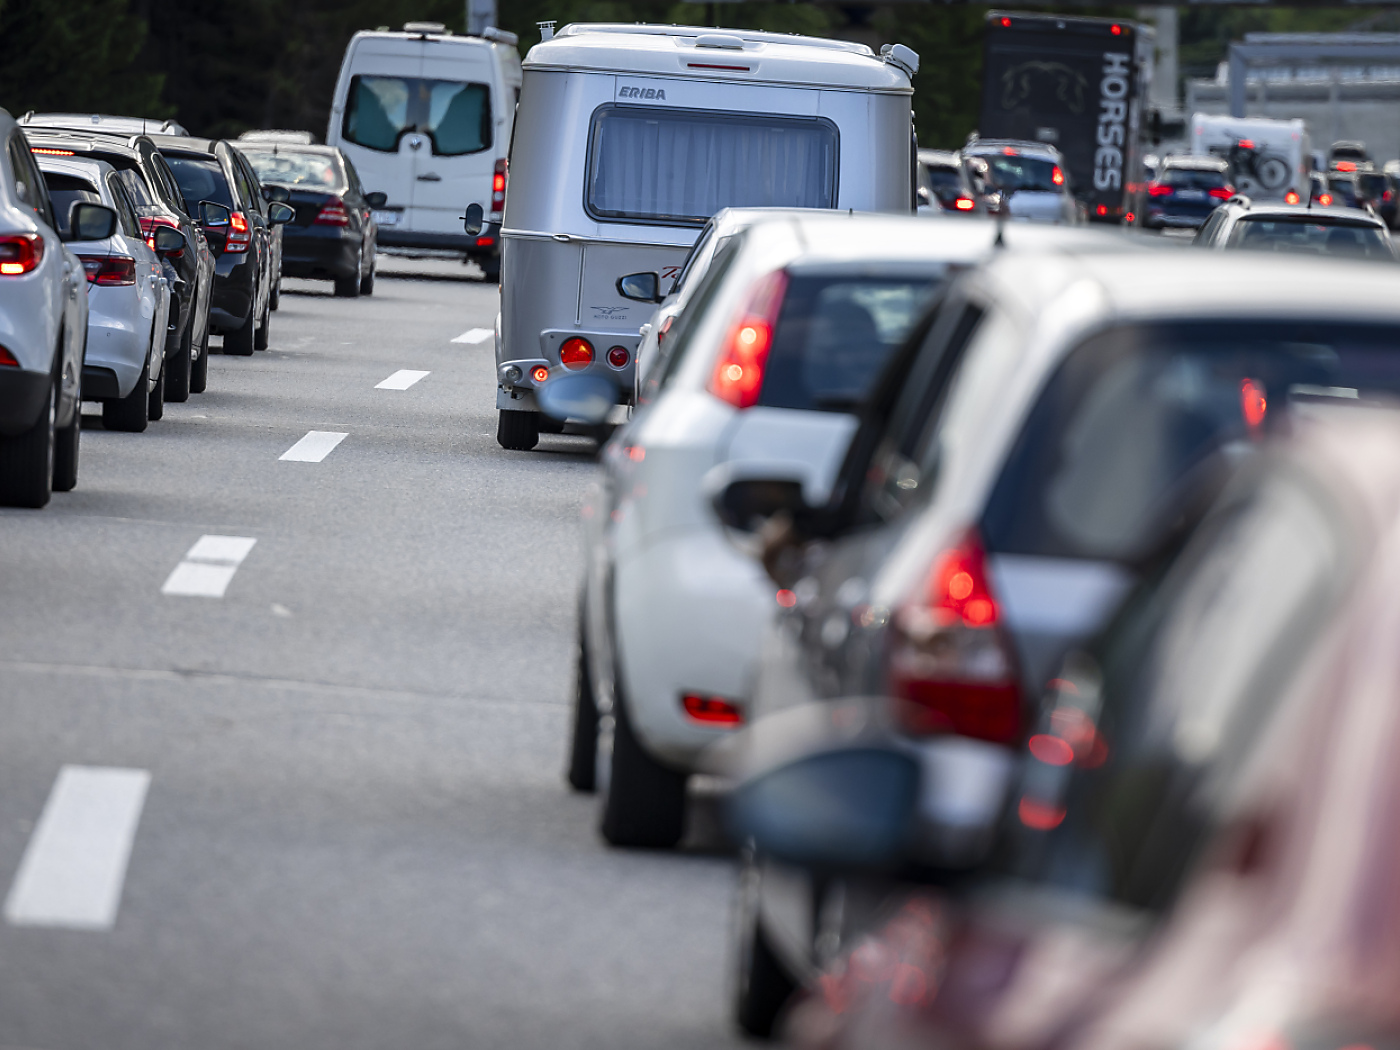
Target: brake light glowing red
<point>539,374</point>
<point>1345,165</point>
<point>1291,197</point>
<point>239,235</point>
<point>618,356</point>
<point>1246,143</point>
<point>52,152</point>
<point>498,187</point>
<point>712,711</point>
<point>738,375</point>
<point>20,253</point>
<point>1116,30</point>
<point>1157,189</point>
<point>964,204</point>
<point>1325,199</point>
<point>1005,23</point>
<point>1039,816</point>
<point>109,270</point>
<point>332,213</point>
<point>1102,209</point>
<point>951,669</point>
<point>1253,404</point>
<point>576,353</point>
<point>1223,193</point>
<point>1057,176</point>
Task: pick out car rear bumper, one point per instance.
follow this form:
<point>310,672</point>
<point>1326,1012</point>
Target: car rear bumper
<point>393,237</point>
<point>307,252</point>
<point>118,348</point>
<point>22,397</point>
<point>234,290</point>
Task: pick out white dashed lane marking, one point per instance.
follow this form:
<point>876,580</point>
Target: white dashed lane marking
<point>208,568</point>
<point>73,869</point>
<point>315,447</point>
<point>474,335</point>
<point>400,380</point>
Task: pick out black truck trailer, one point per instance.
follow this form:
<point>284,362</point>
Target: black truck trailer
<point>1080,85</point>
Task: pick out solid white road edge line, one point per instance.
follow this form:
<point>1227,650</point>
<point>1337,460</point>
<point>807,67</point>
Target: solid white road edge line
<point>313,448</point>
<point>73,869</point>
<point>401,380</point>
<point>208,567</point>
<point>474,335</point>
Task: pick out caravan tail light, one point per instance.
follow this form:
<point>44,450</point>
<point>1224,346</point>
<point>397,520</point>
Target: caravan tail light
<point>20,253</point>
<point>951,668</point>
<point>498,187</point>
<point>576,353</point>
<point>738,374</point>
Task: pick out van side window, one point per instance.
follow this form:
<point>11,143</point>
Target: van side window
<point>674,166</point>
<point>453,115</point>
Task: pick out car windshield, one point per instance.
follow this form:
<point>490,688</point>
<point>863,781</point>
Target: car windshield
<point>455,116</point>
<point>834,335</point>
<point>1121,429</point>
<point>1311,235</point>
<point>678,166</point>
<point>942,182</point>
<point>1013,171</point>
<point>66,191</point>
<point>1193,179</point>
<point>284,167</point>
<point>201,179</point>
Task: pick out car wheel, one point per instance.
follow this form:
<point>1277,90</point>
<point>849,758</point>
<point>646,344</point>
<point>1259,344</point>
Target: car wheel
<point>518,431</point>
<point>263,333</point>
<point>240,343</point>
<point>27,459</point>
<point>347,286</point>
<point>199,369</point>
<point>762,986</point>
<point>155,403</point>
<point>178,366</point>
<point>643,802</point>
<point>367,285</point>
<point>65,453</point>
<point>129,413</point>
<point>583,750</point>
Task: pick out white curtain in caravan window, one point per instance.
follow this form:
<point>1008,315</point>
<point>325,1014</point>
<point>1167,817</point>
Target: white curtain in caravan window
<point>664,164</point>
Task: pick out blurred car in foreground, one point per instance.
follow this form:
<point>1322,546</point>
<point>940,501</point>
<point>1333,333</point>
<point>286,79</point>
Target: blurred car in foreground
<point>1199,843</point>
<point>1029,180</point>
<point>943,184</point>
<point>1186,191</point>
<point>1302,229</point>
<point>1064,419</point>
<point>127,294</point>
<point>785,334</point>
<point>333,236</point>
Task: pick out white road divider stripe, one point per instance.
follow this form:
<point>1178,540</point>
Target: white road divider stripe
<point>208,567</point>
<point>313,448</point>
<point>475,335</point>
<point>73,869</point>
<point>401,380</point>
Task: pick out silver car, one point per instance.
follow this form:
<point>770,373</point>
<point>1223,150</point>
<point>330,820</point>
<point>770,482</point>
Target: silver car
<point>128,295</point>
<point>1029,181</point>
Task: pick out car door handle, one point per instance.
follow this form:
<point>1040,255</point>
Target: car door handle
<point>430,177</point>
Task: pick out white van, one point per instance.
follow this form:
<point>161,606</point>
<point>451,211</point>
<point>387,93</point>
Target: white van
<point>425,116</point>
<point>1269,159</point>
<point>629,138</point>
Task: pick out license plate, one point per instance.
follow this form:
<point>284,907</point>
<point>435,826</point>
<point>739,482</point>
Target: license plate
<point>386,218</point>
<point>1191,195</point>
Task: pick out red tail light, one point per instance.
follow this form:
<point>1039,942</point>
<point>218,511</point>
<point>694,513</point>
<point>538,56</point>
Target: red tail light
<point>1325,199</point>
<point>1345,165</point>
<point>1221,193</point>
<point>498,188</point>
<point>7,359</point>
<point>45,151</point>
<point>1387,195</point>
<point>1156,189</point>
<point>618,356</point>
<point>964,204</point>
<point>738,374</point>
<point>1246,143</point>
<point>1102,209</point>
<point>951,667</point>
<point>1057,176</point>
<point>109,270</point>
<point>239,234</point>
<point>539,373</point>
<point>576,353</point>
<point>712,711</point>
<point>332,213</point>
<point>20,253</point>
<point>1291,197</point>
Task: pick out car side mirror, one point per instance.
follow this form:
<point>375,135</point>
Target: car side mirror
<point>925,197</point>
<point>583,396</point>
<point>168,241</point>
<point>279,194</point>
<point>279,214</point>
<point>474,221</point>
<point>212,214</point>
<point>376,199</point>
<point>90,222</point>
<point>641,287</point>
<point>746,503</point>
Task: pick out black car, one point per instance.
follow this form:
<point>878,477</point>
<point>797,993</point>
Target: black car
<point>943,184</point>
<point>1185,192</point>
<point>244,241</point>
<point>156,194</point>
<point>333,235</point>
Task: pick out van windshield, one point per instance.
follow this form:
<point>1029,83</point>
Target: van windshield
<point>454,116</point>
<point>682,166</point>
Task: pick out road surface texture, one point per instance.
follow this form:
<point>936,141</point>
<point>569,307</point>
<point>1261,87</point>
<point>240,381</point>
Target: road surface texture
<point>284,691</point>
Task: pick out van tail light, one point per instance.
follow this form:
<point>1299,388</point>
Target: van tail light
<point>498,187</point>
<point>951,668</point>
<point>332,213</point>
<point>1156,189</point>
<point>738,374</point>
<point>109,270</point>
<point>1325,199</point>
<point>1291,197</point>
<point>960,204</point>
<point>20,253</point>
<point>1221,193</point>
<point>576,353</point>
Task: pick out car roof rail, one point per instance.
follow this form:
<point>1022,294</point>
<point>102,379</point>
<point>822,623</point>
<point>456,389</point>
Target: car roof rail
<point>1241,199</point>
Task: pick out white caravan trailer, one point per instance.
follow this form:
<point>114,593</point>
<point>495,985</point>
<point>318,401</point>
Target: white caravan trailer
<point>1268,158</point>
<point>629,137</point>
<point>425,117</point>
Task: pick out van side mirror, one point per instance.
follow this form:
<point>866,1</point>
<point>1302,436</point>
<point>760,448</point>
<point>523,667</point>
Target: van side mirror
<point>279,194</point>
<point>641,287</point>
<point>90,222</point>
<point>280,214</point>
<point>212,214</point>
<point>168,241</point>
<point>474,221</point>
<point>376,199</point>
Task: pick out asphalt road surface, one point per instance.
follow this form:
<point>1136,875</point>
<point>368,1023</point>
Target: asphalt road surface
<point>326,809</point>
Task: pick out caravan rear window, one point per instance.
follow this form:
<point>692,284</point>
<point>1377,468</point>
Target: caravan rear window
<point>682,166</point>
<point>454,116</point>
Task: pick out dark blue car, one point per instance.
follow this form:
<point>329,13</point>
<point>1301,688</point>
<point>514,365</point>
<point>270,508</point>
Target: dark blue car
<point>1186,191</point>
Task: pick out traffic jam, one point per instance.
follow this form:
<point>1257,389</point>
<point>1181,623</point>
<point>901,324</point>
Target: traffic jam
<point>977,557</point>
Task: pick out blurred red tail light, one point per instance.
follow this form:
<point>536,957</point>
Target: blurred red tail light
<point>1222,193</point>
<point>1291,197</point>
<point>332,213</point>
<point>1156,189</point>
<point>109,270</point>
<point>964,204</point>
<point>498,187</point>
<point>576,353</point>
<point>712,711</point>
<point>951,667</point>
<point>1325,199</point>
<point>738,374</point>
<point>20,253</point>
<point>7,359</point>
<point>1057,176</point>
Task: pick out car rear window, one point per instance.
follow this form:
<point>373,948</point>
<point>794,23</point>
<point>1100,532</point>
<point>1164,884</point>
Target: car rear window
<point>1311,236</point>
<point>1192,179</point>
<point>455,116</point>
<point>1012,171</point>
<point>681,166</point>
<point>834,335</point>
<point>1119,432</point>
<point>201,179</point>
<point>312,171</point>
<point>65,191</point>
